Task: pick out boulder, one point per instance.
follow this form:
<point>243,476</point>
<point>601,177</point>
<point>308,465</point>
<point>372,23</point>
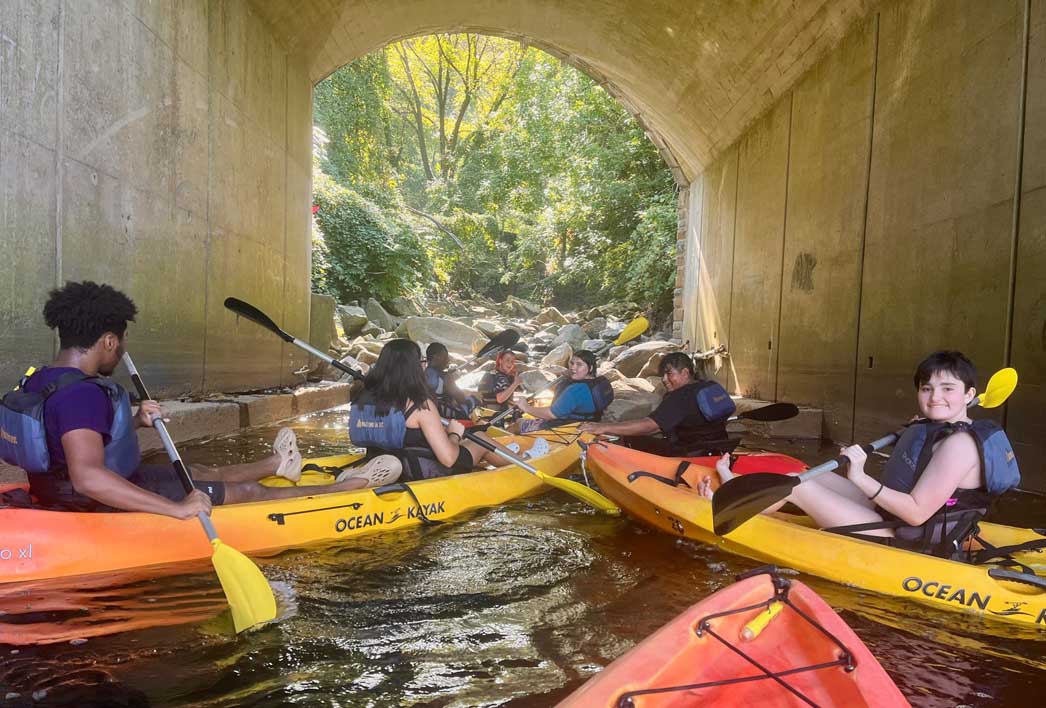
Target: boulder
<point>550,315</point>
<point>616,350</point>
<point>403,306</point>
<point>457,337</point>
<point>594,345</point>
<point>536,380</point>
<point>658,384</point>
<point>559,356</point>
<point>630,404</point>
<point>612,331</point>
<point>596,325</point>
<point>371,330</point>
<point>488,327</point>
<point>366,357</point>
<point>631,361</point>
<point>650,368</point>
<point>639,384</point>
<point>522,308</point>
<point>571,334</point>
<point>353,319</point>
<point>612,375</point>
<point>379,315</point>
<point>557,371</point>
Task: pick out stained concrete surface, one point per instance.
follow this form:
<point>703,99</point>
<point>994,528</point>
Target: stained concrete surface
<point>933,270</point>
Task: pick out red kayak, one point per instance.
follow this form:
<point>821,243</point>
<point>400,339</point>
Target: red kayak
<point>765,641</point>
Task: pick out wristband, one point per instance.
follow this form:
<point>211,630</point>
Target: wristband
<point>881,485</point>
<point>455,435</point>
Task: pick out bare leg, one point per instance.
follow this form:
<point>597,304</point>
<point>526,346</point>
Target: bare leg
<point>247,472</point>
<point>481,454</point>
<point>239,492</point>
<point>830,499</point>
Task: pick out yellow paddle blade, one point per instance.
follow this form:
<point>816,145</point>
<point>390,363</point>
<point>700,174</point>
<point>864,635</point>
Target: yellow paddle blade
<point>999,388</point>
<point>586,494</point>
<point>632,330</point>
<point>248,592</point>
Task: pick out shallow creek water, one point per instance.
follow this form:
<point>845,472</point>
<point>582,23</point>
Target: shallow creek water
<point>514,606</point>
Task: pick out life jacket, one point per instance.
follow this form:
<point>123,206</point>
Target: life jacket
<point>368,428</point>
<point>943,534</point>
<point>912,452</point>
<point>602,396</point>
<point>713,401</point>
<point>23,435</point>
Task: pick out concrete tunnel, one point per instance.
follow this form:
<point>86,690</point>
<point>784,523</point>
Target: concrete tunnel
<point>861,182</point>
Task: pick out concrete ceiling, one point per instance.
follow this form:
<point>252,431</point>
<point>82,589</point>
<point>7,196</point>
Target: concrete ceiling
<point>695,73</point>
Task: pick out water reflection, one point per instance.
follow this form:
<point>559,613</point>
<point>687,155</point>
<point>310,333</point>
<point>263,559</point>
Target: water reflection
<point>510,607</point>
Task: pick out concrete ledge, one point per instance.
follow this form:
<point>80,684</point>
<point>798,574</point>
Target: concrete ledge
<point>320,396</point>
<point>190,420</point>
<point>807,425</point>
<point>262,409</point>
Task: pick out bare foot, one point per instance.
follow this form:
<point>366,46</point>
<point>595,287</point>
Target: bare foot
<point>705,487</point>
<point>722,466</point>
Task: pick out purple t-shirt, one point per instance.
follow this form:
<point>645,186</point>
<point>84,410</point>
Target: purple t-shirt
<point>79,405</point>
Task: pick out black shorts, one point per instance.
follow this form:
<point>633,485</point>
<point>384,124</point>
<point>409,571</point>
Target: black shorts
<point>58,494</point>
<point>432,468</point>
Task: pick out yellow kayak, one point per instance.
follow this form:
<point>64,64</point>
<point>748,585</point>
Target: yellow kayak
<point>990,590</point>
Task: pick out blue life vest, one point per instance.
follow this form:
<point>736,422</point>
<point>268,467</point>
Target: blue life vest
<point>912,452</point>
<point>23,436</point>
<point>602,393</point>
<point>713,401</point>
<point>367,428</point>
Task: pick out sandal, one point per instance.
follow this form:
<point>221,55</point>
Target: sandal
<point>286,446</point>
<point>382,470</point>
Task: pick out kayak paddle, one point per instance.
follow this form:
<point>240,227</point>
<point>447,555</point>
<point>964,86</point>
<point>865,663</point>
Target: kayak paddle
<point>770,413</point>
<point>747,495</point>
<point>632,330</point>
<point>502,340</point>
<point>252,313</point>
<point>584,493</point>
<point>578,490</point>
<point>248,592</point>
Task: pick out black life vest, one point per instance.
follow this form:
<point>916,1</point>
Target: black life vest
<point>23,434</point>
<point>912,452</point>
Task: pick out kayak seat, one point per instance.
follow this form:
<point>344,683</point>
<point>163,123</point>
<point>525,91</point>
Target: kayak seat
<point>944,534</point>
<point>410,458</point>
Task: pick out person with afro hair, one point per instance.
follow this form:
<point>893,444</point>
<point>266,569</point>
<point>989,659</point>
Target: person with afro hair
<point>95,463</point>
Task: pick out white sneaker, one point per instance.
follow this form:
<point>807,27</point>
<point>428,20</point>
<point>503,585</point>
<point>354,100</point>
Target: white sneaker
<point>286,446</point>
<point>382,470</point>
<point>540,448</point>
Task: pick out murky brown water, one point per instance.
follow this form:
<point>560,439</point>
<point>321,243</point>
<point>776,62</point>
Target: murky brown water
<point>515,606</point>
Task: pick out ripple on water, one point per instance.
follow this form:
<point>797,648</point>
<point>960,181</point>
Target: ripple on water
<point>510,607</point>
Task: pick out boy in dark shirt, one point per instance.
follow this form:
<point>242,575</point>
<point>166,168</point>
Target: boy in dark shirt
<point>95,464</point>
<point>678,417</point>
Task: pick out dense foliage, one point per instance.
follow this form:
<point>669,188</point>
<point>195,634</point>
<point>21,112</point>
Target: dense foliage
<point>487,168</point>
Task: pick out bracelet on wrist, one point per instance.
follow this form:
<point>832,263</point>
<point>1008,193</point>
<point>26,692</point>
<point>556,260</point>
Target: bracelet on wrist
<point>881,485</point>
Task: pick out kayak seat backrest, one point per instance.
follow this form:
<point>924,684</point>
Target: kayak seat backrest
<point>712,447</point>
<point>943,535</point>
<point>409,457</point>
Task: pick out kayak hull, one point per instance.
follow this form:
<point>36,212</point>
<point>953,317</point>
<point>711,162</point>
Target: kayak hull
<point>49,544</point>
<point>794,542</point>
<point>694,649</point>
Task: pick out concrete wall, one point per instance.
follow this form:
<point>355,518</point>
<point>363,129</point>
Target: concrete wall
<point>161,147</point>
<point>884,208</point>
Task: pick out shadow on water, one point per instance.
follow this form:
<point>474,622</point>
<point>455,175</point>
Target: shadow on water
<point>515,606</point>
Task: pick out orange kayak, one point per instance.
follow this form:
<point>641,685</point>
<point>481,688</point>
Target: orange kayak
<point>765,641</point>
